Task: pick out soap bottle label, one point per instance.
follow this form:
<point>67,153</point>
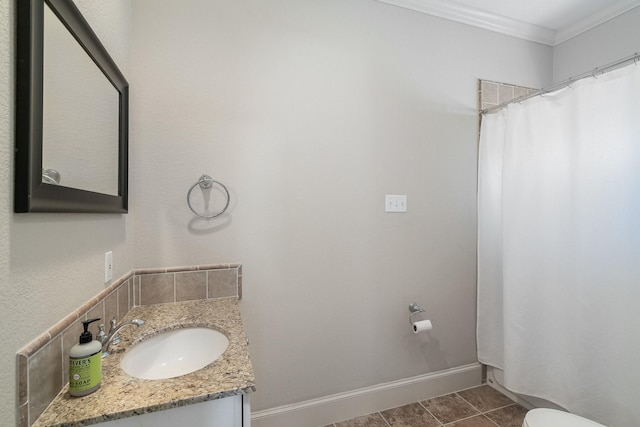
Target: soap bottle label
<point>85,373</point>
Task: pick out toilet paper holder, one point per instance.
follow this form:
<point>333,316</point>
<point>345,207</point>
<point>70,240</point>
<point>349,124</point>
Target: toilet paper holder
<point>414,309</point>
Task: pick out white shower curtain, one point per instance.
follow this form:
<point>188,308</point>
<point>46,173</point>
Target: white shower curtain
<point>559,247</point>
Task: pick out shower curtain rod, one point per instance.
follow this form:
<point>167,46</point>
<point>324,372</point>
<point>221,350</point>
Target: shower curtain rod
<point>593,73</point>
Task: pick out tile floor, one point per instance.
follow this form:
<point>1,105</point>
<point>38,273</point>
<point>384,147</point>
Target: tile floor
<point>475,407</point>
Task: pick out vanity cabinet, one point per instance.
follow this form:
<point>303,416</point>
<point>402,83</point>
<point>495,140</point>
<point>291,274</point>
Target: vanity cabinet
<point>234,411</point>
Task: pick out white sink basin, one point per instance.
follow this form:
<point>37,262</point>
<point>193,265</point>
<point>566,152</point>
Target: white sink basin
<point>174,353</point>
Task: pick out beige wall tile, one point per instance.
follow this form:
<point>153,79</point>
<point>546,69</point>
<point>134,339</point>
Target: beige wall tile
<point>63,324</point>
<point>157,289</point>
<point>45,377</point>
<point>214,266</point>
<point>88,306</point>
<point>505,93</point>
<point>110,308</point>
<point>131,288</point>
<point>23,415</point>
<point>493,93</point>
<point>136,291</point>
<point>179,269</point>
<point>191,286</point>
<point>519,91</point>
<point>222,283</point>
<point>489,92</point>
<point>36,344</point>
<point>70,337</point>
<point>22,365</point>
<point>123,299</point>
<point>143,271</point>
<point>97,312</point>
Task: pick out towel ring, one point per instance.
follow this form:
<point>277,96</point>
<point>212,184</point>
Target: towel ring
<point>206,182</point>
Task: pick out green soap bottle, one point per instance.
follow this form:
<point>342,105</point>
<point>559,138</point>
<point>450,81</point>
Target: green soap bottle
<point>85,364</point>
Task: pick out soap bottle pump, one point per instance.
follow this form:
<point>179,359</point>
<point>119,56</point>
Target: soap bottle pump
<point>85,364</point>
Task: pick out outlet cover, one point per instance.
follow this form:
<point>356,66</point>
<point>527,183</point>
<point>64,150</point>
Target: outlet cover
<point>395,203</point>
<point>108,266</point>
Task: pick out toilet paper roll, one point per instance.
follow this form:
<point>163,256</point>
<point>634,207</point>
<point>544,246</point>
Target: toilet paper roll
<point>423,325</point>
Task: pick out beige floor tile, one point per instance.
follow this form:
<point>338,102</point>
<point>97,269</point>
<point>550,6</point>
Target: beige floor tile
<point>510,416</point>
<point>449,408</point>
<point>477,421</point>
<point>485,398</point>
<point>372,420</point>
<point>480,406</point>
<point>412,415</point>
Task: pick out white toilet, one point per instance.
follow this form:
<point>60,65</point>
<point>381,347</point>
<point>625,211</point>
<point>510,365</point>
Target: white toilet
<point>542,417</point>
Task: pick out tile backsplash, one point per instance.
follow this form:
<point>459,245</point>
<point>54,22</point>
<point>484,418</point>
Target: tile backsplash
<point>42,365</point>
<point>492,94</point>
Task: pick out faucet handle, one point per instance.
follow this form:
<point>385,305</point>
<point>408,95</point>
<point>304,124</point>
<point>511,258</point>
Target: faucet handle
<point>113,336</point>
<point>101,337</point>
<point>112,331</point>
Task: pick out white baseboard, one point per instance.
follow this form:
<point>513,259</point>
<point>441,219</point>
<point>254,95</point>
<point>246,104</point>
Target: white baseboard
<point>343,406</point>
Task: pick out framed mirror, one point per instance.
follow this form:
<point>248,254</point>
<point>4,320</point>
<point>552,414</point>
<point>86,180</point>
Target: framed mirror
<point>71,115</point>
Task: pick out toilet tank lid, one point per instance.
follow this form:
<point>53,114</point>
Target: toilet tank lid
<point>551,418</point>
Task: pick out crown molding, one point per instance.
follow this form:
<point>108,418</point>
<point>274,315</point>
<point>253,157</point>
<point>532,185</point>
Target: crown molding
<point>594,20</point>
<point>464,14</point>
<point>454,11</point>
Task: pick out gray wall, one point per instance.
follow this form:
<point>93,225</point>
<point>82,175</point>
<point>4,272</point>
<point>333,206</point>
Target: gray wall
<point>311,112</point>
<point>604,44</point>
<point>50,264</point>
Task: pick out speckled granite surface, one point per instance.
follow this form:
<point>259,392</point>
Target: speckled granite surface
<point>123,396</point>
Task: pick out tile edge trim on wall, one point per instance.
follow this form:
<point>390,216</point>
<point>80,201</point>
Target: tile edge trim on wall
<point>36,344</point>
<point>143,271</point>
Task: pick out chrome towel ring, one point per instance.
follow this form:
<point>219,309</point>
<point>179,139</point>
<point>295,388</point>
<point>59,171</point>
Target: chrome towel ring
<point>206,182</point>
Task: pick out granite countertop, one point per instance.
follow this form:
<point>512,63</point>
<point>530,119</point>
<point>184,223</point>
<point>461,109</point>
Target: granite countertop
<point>122,396</point>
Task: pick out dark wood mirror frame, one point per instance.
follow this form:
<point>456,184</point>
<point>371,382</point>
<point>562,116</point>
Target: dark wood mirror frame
<point>30,193</point>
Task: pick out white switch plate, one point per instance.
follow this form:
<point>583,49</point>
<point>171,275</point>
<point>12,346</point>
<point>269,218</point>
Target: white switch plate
<point>108,266</point>
<point>395,203</point>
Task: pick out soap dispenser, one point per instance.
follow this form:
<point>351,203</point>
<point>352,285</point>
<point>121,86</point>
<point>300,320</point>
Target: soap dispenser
<point>85,363</point>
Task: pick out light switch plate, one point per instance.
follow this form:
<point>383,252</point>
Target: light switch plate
<point>395,203</point>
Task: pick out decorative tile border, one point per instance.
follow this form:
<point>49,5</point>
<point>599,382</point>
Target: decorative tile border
<point>42,368</point>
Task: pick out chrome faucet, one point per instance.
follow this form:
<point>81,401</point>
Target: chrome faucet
<point>113,334</point>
